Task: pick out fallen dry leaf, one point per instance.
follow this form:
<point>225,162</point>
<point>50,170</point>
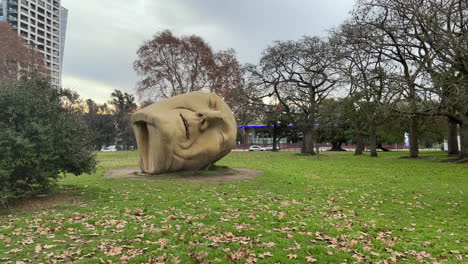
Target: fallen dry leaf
<point>114,251</point>
<point>266,254</point>
<point>238,255</point>
<point>14,251</point>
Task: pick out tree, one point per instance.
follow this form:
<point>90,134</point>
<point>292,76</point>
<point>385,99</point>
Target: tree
<point>124,105</point>
<point>389,33</point>
<point>40,138</point>
<point>274,116</point>
<point>170,66</point>
<point>16,58</point>
<point>370,77</point>
<point>441,37</point>
<point>299,75</point>
<point>428,39</point>
<point>333,123</point>
<point>101,123</point>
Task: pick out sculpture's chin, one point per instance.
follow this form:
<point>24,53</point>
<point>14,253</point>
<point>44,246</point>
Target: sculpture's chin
<point>147,136</point>
<point>142,136</point>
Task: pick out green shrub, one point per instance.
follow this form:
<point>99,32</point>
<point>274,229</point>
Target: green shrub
<point>40,139</point>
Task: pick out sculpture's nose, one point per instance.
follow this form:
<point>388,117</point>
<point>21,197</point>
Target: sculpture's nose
<point>210,118</point>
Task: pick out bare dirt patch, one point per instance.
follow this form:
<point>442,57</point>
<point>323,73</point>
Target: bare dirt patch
<point>48,201</point>
<point>213,175</point>
<point>42,202</point>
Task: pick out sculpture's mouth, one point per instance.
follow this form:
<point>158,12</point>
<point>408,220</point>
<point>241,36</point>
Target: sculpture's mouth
<point>143,140</point>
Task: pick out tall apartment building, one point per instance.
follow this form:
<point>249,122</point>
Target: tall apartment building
<point>43,24</point>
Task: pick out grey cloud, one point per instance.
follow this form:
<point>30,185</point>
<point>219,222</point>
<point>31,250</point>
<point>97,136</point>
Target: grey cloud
<point>103,36</point>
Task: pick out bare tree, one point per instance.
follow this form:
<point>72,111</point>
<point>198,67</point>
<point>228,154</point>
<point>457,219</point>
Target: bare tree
<point>441,34</point>
<point>298,74</point>
<point>431,38</point>
<point>17,59</point>
<point>368,74</point>
<point>392,34</point>
<point>170,66</point>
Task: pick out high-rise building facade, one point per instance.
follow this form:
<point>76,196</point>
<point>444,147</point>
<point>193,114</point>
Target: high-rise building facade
<point>43,24</point>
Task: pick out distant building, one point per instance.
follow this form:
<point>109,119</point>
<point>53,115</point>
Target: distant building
<point>43,24</point>
<point>260,135</point>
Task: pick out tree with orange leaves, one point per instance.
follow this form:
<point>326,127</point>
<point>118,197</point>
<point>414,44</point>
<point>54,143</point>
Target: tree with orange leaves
<point>17,59</point>
<point>169,65</point>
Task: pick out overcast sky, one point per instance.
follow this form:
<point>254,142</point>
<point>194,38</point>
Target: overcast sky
<point>103,36</point>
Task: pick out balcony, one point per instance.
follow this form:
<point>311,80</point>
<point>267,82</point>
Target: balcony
<point>24,34</point>
<point>12,11</point>
<point>24,26</point>
<point>12,18</point>
<point>12,3</point>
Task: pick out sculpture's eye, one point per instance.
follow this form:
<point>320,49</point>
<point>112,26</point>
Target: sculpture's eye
<point>199,115</point>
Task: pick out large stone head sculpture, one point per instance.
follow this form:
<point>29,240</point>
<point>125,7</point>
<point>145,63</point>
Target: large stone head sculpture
<point>186,132</point>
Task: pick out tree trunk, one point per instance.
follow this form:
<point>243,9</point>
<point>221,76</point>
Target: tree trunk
<point>304,143</point>
<point>452,138</point>
<point>379,145</point>
<point>464,138</point>
<point>359,144</point>
<point>309,135</point>
<point>413,138</point>
<point>373,140</point>
<point>274,137</point>
<point>309,141</point>
<point>336,146</point>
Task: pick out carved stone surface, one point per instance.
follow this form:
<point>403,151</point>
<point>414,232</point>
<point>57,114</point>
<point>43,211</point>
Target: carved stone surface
<point>185,132</point>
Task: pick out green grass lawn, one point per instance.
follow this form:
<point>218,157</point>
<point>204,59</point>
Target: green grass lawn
<point>338,209</point>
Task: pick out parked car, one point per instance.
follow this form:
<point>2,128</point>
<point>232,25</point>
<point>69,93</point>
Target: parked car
<point>270,148</point>
<point>256,148</point>
<point>109,148</point>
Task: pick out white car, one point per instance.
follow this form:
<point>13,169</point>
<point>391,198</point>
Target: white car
<point>109,148</point>
<point>271,148</point>
<point>256,148</point>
